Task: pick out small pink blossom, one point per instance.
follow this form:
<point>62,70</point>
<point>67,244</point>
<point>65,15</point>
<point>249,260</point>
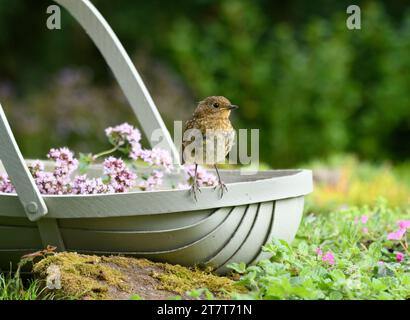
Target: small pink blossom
<point>364,219</point>
<point>36,166</point>
<point>5,184</point>
<point>399,257</point>
<point>404,224</point>
<point>365,230</point>
<point>380,263</point>
<point>65,163</point>
<point>204,178</point>
<point>319,251</point>
<point>153,181</point>
<point>120,177</point>
<point>329,258</point>
<point>124,136</point>
<point>397,235</point>
<point>157,157</point>
<point>82,185</point>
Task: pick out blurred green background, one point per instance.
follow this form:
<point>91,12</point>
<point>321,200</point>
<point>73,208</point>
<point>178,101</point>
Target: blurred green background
<point>313,87</point>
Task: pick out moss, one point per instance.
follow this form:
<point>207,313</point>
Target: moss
<point>82,276</point>
<point>113,277</point>
<point>180,279</point>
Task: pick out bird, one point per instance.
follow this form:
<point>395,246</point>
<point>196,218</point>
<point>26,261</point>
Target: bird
<point>208,136</point>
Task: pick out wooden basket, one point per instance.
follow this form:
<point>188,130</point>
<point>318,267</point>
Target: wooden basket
<point>159,225</point>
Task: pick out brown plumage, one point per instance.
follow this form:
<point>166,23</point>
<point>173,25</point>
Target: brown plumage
<point>209,135</point>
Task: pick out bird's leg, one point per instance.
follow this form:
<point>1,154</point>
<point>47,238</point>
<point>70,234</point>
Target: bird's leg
<point>195,184</point>
<point>221,184</point>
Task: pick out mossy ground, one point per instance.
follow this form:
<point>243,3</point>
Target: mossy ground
<point>118,277</point>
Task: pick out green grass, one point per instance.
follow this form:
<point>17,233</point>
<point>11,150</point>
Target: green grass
<point>12,287</point>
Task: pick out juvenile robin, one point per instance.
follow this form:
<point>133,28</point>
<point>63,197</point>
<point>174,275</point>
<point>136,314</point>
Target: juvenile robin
<point>209,136</point>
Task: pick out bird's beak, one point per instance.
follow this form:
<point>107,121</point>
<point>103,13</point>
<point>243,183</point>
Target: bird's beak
<point>232,107</point>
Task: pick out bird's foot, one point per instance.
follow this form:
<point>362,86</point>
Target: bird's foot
<point>222,187</point>
<point>195,189</point>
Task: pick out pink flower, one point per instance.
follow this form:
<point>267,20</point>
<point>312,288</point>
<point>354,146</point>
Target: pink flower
<point>36,166</point>
<point>399,257</point>
<point>157,157</point>
<point>319,251</point>
<point>65,161</point>
<point>380,263</point>
<point>124,136</point>
<point>364,219</point>
<point>120,177</point>
<point>82,185</point>
<point>5,184</point>
<point>48,183</point>
<point>154,180</point>
<point>329,258</point>
<point>397,235</point>
<point>404,224</point>
<point>204,178</point>
<point>365,230</point>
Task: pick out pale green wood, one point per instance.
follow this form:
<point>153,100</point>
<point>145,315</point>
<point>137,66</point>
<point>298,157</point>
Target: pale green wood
<point>158,240</point>
<point>50,234</point>
<point>237,239</point>
<point>19,237</point>
<point>287,217</point>
<point>173,220</point>
<point>266,186</point>
<point>29,196</point>
<point>255,239</point>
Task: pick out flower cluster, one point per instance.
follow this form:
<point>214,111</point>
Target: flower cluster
<point>125,137</point>
<point>154,180</point>
<point>118,177</point>
<point>363,221</point>
<point>204,178</point>
<point>328,257</point>
<point>57,181</point>
<point>82,185</point>
<point>399,233</point>
<point>5,184</point>
<point>157,157</point>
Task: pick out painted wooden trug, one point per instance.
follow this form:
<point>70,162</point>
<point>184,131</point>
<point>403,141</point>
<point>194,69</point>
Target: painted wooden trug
<point>163,225</point>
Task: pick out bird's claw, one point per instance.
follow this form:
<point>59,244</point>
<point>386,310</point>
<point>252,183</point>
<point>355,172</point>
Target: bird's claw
<point>223,188</point>
<point>195,189</point>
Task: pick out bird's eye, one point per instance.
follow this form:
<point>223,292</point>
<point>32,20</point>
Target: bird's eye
<point>216,105</point>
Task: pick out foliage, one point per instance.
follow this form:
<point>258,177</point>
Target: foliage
<point>314,91</point>
<point>364,264</point>
<point>310,85</point>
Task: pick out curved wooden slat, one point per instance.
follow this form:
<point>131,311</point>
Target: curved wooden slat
<point>146,223</point>
<point>237,239</point>
<point>151,241</point>
<point>199,251</point>
<point>287,216</point>
<point>256,237</point>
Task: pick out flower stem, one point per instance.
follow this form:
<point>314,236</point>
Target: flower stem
<point>105,152</point>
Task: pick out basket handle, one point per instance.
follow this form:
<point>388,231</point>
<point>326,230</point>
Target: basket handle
<point>123,69</point>
<point>131,84</point>
<point>23,182</point>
